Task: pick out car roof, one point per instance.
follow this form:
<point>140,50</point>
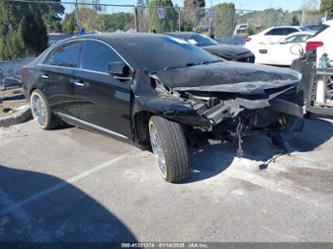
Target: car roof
<point>182,33</point>
<point>275,27</point>
<point>278,27</point>
<point>110,37</point>
<point>329,22</point>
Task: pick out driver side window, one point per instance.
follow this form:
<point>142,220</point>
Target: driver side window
<point>96,56</point>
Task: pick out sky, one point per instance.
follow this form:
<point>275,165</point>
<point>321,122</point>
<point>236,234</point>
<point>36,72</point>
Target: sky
<point>240,4</point>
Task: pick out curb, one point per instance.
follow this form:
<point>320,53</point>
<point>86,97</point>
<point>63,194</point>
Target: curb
<point>21,114</point>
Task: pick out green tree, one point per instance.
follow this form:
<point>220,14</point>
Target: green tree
<point>193,13</point>
<point>52,21</point>
<point>224,19</point>
<point>69,24</point>
<point>22,30</point>
<point>295,21</point>
<point>88,19</point>
<point>117,21</point>
<point>52,14</point>
<point>326,6</point>
<point>169,23</point>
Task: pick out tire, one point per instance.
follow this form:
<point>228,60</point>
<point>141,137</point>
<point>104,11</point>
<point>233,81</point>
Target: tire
<point>41,111</point>
<point>170,149</point>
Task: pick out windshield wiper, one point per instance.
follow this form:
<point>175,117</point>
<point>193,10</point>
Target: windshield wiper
<point>189,64</point>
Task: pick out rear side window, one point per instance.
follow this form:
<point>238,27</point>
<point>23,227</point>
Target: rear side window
<point>289,31</point>
<point>96,56</point>
<point>66,55</point>
<point>275,32</point>
<point>282,31</point>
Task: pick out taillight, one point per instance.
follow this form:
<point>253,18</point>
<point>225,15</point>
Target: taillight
<point>248,38</point>
<point>312,46</point>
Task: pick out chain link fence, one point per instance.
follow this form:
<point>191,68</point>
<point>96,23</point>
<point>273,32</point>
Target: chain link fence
<point>27,27</point>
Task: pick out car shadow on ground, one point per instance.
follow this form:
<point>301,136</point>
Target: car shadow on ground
<point>211,160</point>
<point>36,207</point>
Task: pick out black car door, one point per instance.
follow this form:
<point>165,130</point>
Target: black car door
<point>104,100</point>
<point>56,76</point>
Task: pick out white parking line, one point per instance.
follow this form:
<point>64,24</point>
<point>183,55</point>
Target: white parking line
<point>14,206</point>
<point>34,232</point>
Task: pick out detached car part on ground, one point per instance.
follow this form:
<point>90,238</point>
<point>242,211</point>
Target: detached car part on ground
<point>158,92</point>
<point>226,52</point>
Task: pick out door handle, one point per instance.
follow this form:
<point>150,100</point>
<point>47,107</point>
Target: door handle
<point>80,83</point>
<point>44,76</point>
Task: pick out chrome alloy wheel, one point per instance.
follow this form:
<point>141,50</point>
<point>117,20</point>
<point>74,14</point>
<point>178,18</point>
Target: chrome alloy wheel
<point>38,109</point>
<point>157,147</point>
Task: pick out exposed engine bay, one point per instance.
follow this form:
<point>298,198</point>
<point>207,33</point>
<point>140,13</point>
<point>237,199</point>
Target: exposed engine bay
<point>232,109</point>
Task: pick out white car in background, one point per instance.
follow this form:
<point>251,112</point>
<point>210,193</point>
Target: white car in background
<point>272,35</point>
<point>323,40</point>
<point>283,52</point>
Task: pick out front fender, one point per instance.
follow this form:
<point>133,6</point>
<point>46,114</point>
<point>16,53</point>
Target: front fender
<point>172,109</point>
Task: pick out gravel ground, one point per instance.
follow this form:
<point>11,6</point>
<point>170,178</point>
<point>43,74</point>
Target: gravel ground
<point>74,185</point>
<point>10,100</point>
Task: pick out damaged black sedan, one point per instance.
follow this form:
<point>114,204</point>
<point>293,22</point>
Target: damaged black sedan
<point>159,92</point>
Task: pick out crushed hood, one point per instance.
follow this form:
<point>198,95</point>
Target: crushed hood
<point>228,52</point>
<point>231,77</point>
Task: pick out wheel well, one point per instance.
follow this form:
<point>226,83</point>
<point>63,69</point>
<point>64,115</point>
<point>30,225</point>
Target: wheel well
<point>141,130</point>
<point>33,89</point>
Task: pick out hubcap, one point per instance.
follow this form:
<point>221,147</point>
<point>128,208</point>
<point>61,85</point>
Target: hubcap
<point>157,147</point>
<point>38,109</point>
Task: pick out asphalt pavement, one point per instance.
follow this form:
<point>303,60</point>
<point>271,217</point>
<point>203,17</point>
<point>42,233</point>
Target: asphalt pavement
<point>72,185</point>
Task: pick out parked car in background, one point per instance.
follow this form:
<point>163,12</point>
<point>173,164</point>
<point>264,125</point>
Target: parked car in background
<point>164,100</point>
<point>238,40</point>
<point>227,52</point>
<point>317,28</point>
<point>272,35</point>
<point>322,39</point>
<point>284,52</point>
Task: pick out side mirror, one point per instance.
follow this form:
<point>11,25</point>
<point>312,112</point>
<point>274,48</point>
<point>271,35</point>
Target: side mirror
<point>119,70</point>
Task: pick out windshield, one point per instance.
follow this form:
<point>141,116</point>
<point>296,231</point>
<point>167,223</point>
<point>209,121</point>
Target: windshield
<point>200,40</point>
<point>159,52</point>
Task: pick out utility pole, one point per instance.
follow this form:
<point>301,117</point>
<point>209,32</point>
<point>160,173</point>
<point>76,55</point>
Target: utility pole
<point>179,19</point>
<point>136,21</point>
<point>77,17</point>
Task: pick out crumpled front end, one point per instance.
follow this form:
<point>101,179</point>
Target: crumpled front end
<point>224,109</point>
